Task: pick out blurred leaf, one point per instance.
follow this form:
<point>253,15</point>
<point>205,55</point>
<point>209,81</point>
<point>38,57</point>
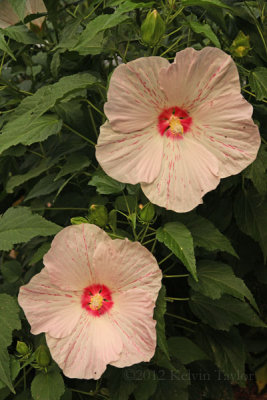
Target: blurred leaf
<point>261,377</point>
<point>185,350</point>
<point>159,312</point>
<point>256,172</point>
<point>258,82</point>
<point>48,385</point>
<point>179,240</point>
<point>224,312</point>
<point>204,3</point>
<point>19,225</point>
<point>4,46</point>
<point>216,279</point>
<point>75,162</point>
<point>41,251</point>
<point>206,31</point>
<point>121,383</point>
<point>126,203</point>
<point>21,34</point>
<point>43,187</point>
<point>104,184</point>
<point>11,271</point>
<point>147,386</point>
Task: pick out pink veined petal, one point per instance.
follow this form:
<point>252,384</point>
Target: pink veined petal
<point>132,315</point>
<point>134,95</point>
<point>198,76</point>
<point>49,309</point>
<point>132,158</point>
<point>69,261</point>
<point>226,129</point>
<point>7,15</point>
<point>130,265</point>
<point>188,172</point>
<point>93,344</point>
<point>35,7</point>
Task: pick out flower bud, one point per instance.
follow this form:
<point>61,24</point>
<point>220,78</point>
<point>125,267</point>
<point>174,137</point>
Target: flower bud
<point>78,220</point>
<point>147,212</point>
<point>22,348</point>
<point>152,28</point>
<point>42,356</point>
<point>98,215</point>
<point>240,46</point>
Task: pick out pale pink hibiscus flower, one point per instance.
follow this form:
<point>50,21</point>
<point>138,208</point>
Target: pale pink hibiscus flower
<point>177,128</point>
<point>9,17</point>
<point>94,300</point>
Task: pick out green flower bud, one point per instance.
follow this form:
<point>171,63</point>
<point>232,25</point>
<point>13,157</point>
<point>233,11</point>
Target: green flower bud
<point>240,46</point>
<point>98,215</point>
<point>78,220</point>
<point>22,348</point>
<point>42,356</point>
<point>152,28</point>
<point>147,212</point>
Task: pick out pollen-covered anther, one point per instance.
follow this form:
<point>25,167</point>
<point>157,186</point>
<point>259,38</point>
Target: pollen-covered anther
<point>176,127</point>
<point>96,302</point>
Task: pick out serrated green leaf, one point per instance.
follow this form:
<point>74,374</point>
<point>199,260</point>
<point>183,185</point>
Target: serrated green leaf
<point>179,240</point>
<point>159,312</point>
<point>48,386</point>
<point>216,279</point>
<point>205,30</point>
<point>11,271</point>
<point>251,216</point>
<point>19,225</point>
<point>185,350</point>
<point>206,235</point>
<point>38,255</point>
<point>223,313</point>
<point>258,82</point>
<point>9,320</point>
<point>105,184</point>
<point>45,186</point>
<point>75,162</point>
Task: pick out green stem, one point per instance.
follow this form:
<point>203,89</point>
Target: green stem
<point>176,276</point>
<point>59,209</point>
<point>22,378</point>
<point>78,134</point>
<point>93,122</point>
<point>252,94</point>
<point>145,232</point>
<point>95,108</point>
<point>181,318</point>
<point>257,26</point>
<point>93,10</point>
<point>154,245</point>
<point>184,327</point>
<point>169,48</point>
<point>166,258</point>
<point>172,299</point>
<point>149,241</point>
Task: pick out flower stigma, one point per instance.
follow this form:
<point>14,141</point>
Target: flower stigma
<point>176,127</point>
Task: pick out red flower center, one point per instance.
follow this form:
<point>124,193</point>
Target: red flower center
<point>174,122</point>
<point>96,299</point>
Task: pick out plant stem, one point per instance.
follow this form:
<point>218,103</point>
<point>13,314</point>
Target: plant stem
<point>176,276</point>
<point>78,134</point>
<point>172,299</point>
<point>181,318</point>
<point>252,94</point>
<point>166,258</point>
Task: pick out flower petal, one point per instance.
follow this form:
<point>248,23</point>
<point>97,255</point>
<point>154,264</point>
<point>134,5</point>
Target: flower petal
<point>36,7</point>
<point>132,314</point>
<point>134,95</point>
<point>69,261</point>
<point>130,265</point>
<point>49,309</point>
<point>93,344</point>
<point>226,129</point>
<point>130,158</point>
<point>197,76</point>
<point>188,171</point>
<point>7,15</point>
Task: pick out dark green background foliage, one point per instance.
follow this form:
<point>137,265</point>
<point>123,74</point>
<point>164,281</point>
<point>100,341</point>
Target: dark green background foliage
<point>53,85</point>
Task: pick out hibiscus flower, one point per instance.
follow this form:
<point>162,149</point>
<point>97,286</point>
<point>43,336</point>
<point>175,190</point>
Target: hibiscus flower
<point>177,128</point>
<point>9,17</point>
<point>94,300</point>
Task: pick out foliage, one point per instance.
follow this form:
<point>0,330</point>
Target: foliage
<point>211,311</point>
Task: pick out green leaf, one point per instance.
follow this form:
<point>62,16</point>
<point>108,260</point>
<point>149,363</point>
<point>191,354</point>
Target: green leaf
<point>20,34</point>
<point>206,235</point>
<point>4,46</point>
<point>19,7</point>
<point>121,383</point>
<point>75,162</point>
<point>179,240</point>
<point>205,3</point>
<point>104,184</point>
<point>45,186</point>
<point>172,384</point>
<point>11,271</point>
<point>258,82</point>
<point>159,312</point>
<point>147,386</point>
<point>251,216</point>
<point>9,320</point>
<point>216,279</point>
<point>24,126</point>
<point>185,350</point>
<point>38,255</point>
<point>19,225</point>
<point>256,172</point>
<point>126,203</point>
<point>206,31</point>
<point>48,386</point>
<point>228,352</point>
<point>224,312</point>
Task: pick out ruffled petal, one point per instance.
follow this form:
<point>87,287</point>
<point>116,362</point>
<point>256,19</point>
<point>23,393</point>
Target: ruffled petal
<point>188,172</point>
<point>7,15</point>
<point>198,76</point>
<point>132,315</point>
<point>69,261</point>
<point>93,344</point>
<point>134,95</point>
<point>49,309</point>
<point>130,265</point>
<point>132,158</point>
<point>225,127</point>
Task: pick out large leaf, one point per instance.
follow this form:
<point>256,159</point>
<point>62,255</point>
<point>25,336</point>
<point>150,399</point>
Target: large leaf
<point>205,3</point>
<point>105,184</point>
<point>48,386</point>
<point>224,312</point>
<point>27,114</point>
<point>9,320</point>
<point>178,239</point>
<point>185,350</point>
<point>44,187</point>
<point>258,82</point>
<point>160,310</point>
<point>216,279</point>
<point>74,163</point>
<point>205,30</point>
<point>251,217</point>
<point>19,225</point>
<point>256,172</point>
<point>20,34</point>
